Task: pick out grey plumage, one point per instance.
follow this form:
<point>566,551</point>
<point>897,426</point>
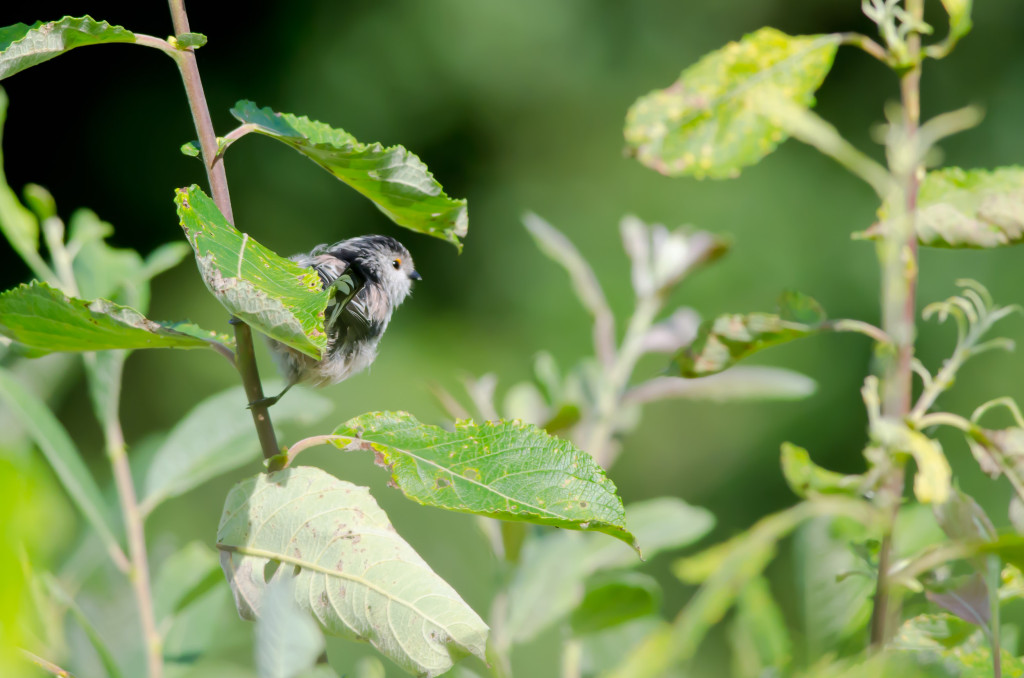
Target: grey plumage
<point>385,269</point>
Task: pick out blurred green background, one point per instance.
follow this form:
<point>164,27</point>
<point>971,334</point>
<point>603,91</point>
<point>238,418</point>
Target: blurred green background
<point>516,106</point>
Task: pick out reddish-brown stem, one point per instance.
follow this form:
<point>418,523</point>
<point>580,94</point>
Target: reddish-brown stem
<point>245,357</point>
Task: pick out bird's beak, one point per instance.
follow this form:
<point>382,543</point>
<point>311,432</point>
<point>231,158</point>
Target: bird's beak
<point>415,276</point>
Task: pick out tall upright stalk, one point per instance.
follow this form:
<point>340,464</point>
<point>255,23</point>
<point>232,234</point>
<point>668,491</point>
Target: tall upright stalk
<point>245,357</point>
<point>898,257</point>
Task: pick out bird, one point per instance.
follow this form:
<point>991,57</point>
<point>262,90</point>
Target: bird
<point>380,273</point>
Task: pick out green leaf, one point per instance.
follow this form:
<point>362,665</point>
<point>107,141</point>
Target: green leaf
<point>969,208</point>
<point>960,648</point>
<point>706,125</point>
<point>615,599</point>
<point>64,458</point>
<point>18,224</point>
<point>189,40</point>
<point>506,470</point>
<point>270,293</point>
<point>352,570</point>
<point>41,317</point>
<point>805,477</point>
<point>191,149</point>
<point>394,179</point>
<point>736,384</point>
<point>66,600</point>
<point>216,437</point>
<point>553,566</point>
<point>760,642</point>
<point>287,640</point>
<point>932,482</point>
<point>959,12</point>
<point>22,46</point>
<point>184,577</point>
<point>727,339</point>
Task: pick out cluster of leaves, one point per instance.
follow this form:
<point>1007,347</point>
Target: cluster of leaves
<point>729,111</point>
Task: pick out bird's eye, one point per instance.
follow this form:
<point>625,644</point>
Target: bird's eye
<point>397,263</point>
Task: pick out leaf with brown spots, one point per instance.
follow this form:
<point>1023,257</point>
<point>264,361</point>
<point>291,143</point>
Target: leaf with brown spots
<point>500,469</point>
<point>329,542</point>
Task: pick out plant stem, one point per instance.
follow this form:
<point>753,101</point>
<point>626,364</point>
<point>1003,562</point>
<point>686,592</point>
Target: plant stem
<point>898,254</point>
<point>46,665</point>
<point>245,358</point>
<point>139,572</point>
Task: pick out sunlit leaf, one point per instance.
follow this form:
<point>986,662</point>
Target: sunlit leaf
<point>503,469</point>
<point>41,317</point>
<point>22,46</point>
<point>394,179</point>
<point>64,458</point>
<point>968,208</point>
<point>760,642</point>
<point>805,477</point>
<point>727,339</point>
<point>705,124</point>
<point>959,12</point>
<point>933,480</point>
<point>351,569</point>
<point>270,293</point>
<point>215,437</point>
<point>287,640</point>
<point>615,599</point>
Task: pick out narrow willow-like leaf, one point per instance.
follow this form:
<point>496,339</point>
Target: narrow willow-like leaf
<point>64,458</point>
<point>760,641</point>
<point>351,569</point>
<point>41,317</point>
<point>272,294</point>
<point>22,46</point>
<point>394,179</point>
<point>615,599</point>
<point>739,383</point>
<point>958,208</point>
<point>805,477</point>
<point>504,469</point>
<point>215,437</point>
<point>727,339</point>
<point>704,124</point>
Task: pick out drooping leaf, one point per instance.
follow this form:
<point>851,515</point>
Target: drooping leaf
<point>287,640</point>
<point>760,642</point>
<point>553,567</point>
<point>394,179</point>
<point>64,458</point>
<point>43,318</point>
<point>216,436</point>
<point>351,569</point>
<point>705,124</point>
<point>805,477</point>
<point>270,293</point>
<point>503,469</point>
<point>615,599</point>
<point>22,46</point>
<point>729,338</point>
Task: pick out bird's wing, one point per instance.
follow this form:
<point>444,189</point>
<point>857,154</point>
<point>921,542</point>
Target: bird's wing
<point>367,315</point>
<point>327,266</point>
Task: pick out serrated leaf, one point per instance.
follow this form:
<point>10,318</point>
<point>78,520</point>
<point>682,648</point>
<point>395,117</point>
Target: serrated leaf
<point>22,46</point>
<point>41,317</point>
<point>216,437</point>
<point>727,339</point>
<point>352,570</point>
<point>62,455</point>
<point>969,208</point>
<point>270,293</point>
<point>615,599</point>
<point>395,180</point>
<point>805,477</point>
<point>505,469</point>
<point>705,124</point>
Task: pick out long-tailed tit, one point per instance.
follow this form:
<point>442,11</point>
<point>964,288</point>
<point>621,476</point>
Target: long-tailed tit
<point>383,273</point>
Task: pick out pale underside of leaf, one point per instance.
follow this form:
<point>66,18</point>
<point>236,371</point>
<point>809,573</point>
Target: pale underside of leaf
<point>704,124</point>
<point>351,569</point>
<point>393,178</point>
<point>506,470</point>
